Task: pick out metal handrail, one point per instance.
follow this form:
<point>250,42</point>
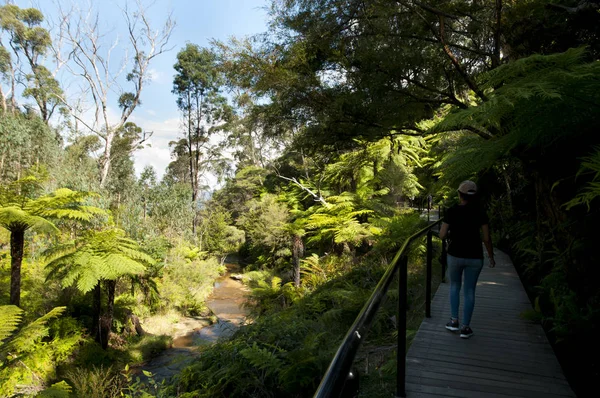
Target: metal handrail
<point>332,384</point>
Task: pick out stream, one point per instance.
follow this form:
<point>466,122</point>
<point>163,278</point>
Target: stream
<point>226,303</point>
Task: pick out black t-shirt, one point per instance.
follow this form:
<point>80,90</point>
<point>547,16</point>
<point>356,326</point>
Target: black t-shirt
<point>465,222</point>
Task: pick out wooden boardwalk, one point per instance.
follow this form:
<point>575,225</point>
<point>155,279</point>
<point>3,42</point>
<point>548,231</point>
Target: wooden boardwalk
<point>506,357</point>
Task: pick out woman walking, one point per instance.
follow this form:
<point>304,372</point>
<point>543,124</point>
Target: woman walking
<point>462,225</point>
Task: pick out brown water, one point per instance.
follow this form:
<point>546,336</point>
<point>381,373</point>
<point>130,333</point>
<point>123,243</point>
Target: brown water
<point>226,303</point>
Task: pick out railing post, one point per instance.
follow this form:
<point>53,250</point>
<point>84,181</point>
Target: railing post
<point>401,354</point>
<point>428,282</point>
<point>444,260</point>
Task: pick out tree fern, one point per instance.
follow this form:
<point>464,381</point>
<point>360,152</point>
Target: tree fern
<point>20,212</point>
<point>94,258</point>
<point>534,103</point>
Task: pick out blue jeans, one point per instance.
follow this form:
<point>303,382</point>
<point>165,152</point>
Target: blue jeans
<point>471,267</point>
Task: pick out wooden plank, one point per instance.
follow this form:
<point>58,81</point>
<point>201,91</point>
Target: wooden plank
<point>457,349</point>
<point>550,390</point>
<point>486,374</point>
<point>491,364</point>
<point>507,357</point>
<point>476,385</point>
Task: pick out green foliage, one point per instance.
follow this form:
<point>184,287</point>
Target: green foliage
<point>284,352</point>
<point>57,390</point>
<point>101,255</point>
<point>216,231</point>
<point>264,222</point>
<point>97,382</point>
<point>270,293</point>
<point>10,317</point>
<point>589,165</point>
<point>396,230</point>
<point>186,283</point>
<point>29,357</point>
<point>315,272</point>
<point>19,211</point>
<point>537,106</point>
<point>142,349</point>
<point>168,206</point>
<point>25,142</point>
<point>340,222</point>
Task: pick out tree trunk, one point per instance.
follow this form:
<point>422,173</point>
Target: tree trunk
<point>297,254</point>
<point>17,242</point>
<point>96,310</point>
<point>2,101</point>
<point>107,318</point>
<point>497,35</point>
<point>106,159</point>
<point>136,326</point>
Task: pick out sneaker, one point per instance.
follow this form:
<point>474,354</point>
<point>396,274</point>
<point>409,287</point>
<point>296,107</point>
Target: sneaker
<point>466,332</point>
<point>452,325</point>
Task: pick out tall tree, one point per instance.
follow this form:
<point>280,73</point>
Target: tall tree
<point>93,261</point>
<point>197,85</point>
<point>25,141</point>
<point>30,41</point>
<point>90,57</point>
<point>20,211</point>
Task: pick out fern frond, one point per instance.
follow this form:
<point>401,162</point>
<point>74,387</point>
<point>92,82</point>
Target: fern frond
<point>262,358</point>
<point>28,336</point>
<point>57,390</point>
<point>102,255</point>
<point>10,317</point>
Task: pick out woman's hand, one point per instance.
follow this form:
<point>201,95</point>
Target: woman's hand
<point>492,262</point>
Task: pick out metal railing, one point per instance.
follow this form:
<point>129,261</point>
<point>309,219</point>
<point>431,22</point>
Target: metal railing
<point>339,371</point>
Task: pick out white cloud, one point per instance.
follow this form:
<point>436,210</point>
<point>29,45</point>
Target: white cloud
<point>156,76</point>
<point>158,157</point>
<point>157,154</point>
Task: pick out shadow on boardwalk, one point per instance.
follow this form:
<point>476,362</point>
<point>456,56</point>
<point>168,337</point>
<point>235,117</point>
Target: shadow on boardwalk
<point>507,357</point>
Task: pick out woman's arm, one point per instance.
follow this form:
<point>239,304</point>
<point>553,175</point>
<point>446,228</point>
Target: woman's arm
<point>487,240</point>
<point>444,230</point>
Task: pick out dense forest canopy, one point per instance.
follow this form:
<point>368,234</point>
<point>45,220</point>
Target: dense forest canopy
<point>325,132</point>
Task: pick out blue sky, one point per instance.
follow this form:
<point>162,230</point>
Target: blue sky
<point>197,22</point>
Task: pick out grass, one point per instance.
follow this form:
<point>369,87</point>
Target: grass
<point>142,349</point>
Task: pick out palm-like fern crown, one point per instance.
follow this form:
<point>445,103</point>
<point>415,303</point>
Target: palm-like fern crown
<point>534,103</point>
<point>19,211</point>
<point>369,167</point>
<point>103,255</point>
<point>339,221</point>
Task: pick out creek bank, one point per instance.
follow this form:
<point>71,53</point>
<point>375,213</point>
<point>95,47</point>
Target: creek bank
<point>226,304</point>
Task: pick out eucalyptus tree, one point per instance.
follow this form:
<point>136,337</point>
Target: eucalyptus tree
<point>20,211</point>
<point>25,141</point>
<point>28,40</point>
<point>197,85</point>
<point>97,259</point>
<point>88,54</point>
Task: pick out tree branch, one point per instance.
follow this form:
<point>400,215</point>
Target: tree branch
<point>457,65</point>
<point>583,6</point>
<point>316,197</point>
